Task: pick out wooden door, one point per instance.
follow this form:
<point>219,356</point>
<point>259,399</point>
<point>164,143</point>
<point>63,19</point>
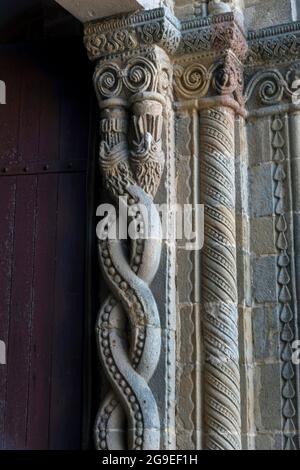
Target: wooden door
<point>44,140</point>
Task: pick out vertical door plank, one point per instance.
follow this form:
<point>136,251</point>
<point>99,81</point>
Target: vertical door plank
<point>11,74</point>
<point>66,390</point>
<point>30,109</point>
<point>43,295</point>
<point>49,116</point>
<point>7,225</point>
<point>20,331</point>
<point>74,116</point>
<point>42,247</point>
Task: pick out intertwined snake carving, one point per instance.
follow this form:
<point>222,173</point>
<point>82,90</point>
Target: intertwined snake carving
<point>129,361</point>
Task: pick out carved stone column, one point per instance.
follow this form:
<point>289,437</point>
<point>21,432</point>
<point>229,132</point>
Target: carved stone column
<point>219,278</point>
<point>215,89</point>
<point>136,324</point>
<point>219,281</point>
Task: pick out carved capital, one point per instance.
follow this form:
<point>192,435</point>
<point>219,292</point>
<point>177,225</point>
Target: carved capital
<point>222,82</point>
<point>138,72</point>
<point>133,87</point>
<point>213,35</point>
<point>210,65</point>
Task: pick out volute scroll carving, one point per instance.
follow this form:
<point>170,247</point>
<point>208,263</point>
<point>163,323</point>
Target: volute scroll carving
<point>272,86</point>
<point>223,78</point>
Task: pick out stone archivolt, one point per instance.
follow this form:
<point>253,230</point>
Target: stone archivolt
<point>133,85</point>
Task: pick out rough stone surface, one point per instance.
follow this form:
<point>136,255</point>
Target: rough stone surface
<point>261,190</point>
<point>265,327</point>
<point>265,279</point>
<point>260,14</point>
<point>263,239</point>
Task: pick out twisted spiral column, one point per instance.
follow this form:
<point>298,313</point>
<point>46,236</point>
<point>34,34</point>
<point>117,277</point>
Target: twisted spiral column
<point>219,281</point>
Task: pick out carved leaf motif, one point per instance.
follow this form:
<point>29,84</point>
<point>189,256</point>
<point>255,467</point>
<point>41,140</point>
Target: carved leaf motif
<point>288,371</point>
<point>286,314</point>
<point>287,334</point>
<point>285,295</point>
<point>289,409</point>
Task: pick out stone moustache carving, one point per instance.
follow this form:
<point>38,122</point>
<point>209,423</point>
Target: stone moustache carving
<point>219,288</point>
<point>131,168</point>
<point>286,313</point>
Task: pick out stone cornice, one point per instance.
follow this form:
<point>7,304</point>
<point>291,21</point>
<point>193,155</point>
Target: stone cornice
<point>274,30</point>
<point>207,36</point>
<point>160,27</point>
<point>212,35</point>
<point>276,44</point>
<point>146,28</point>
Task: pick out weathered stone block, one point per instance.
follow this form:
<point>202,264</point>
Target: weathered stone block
<point>247,406</point>
<point>263,236</point>
<point>265,279</point>
<point>259,139</point>
<point>296,221</point>
<point>243,277</point>
<point>245,335</point>
<point>260,14</point>
<point>265,328</point>
<point>268,441</point>
<point>183,134</point>
<point>165,371</point>
<point>184,276</point>
<point>186,328</point>
<point>243,232</point>
<point>241,181</point>
<point>295,168</point>
<point>267,389</point>
<point>241,144</point>
<point>183,180</point>
<point>261,190</point>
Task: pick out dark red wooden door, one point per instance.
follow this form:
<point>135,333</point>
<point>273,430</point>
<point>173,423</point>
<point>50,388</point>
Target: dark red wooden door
<point>44,137</point>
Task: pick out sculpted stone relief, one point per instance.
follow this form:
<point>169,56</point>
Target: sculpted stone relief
<point>137,56</point>
<point>286,313</point>
<point>131,98</point>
